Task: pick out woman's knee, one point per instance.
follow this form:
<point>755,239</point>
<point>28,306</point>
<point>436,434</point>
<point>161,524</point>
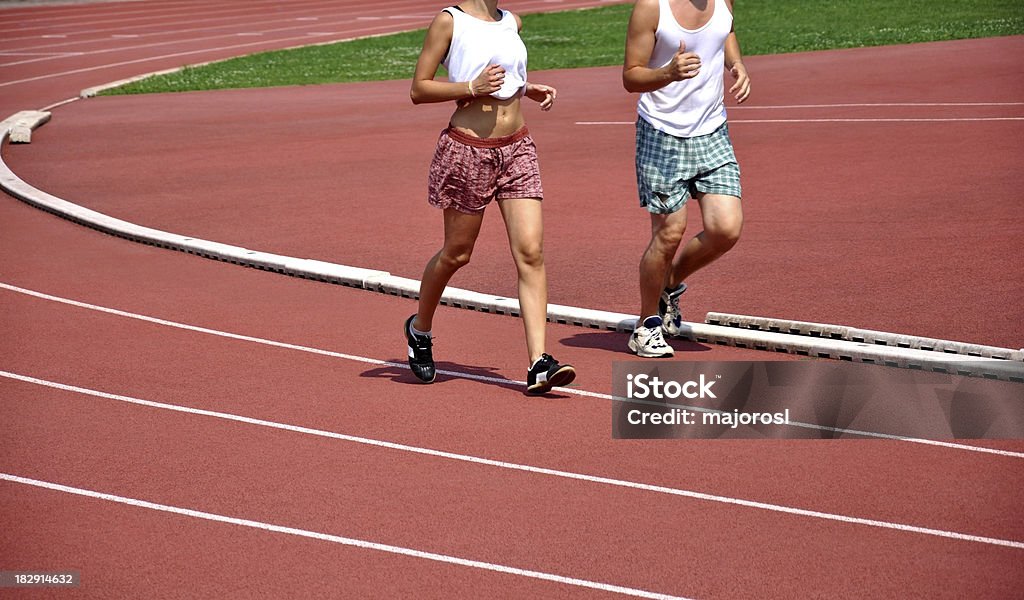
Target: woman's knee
<point>529,255</point>
<point>455,257</point>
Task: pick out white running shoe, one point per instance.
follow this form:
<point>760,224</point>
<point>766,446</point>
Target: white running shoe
<point>647,340</point>
<point>668,310</point>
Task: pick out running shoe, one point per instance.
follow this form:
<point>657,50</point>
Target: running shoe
<point>421,357</point>
<point>648,341</point>
<point>546,373</point>
<point>668,310</point>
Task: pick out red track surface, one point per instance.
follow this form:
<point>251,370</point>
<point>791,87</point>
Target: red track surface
<point>294,171</point>
<point>898,225</point>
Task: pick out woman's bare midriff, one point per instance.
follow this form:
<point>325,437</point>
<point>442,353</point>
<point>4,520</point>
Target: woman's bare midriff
<point>489,117</point>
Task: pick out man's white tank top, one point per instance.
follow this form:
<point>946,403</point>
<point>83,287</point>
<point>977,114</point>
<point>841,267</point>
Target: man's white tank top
<point>476,44</point>
<point>690,107</point>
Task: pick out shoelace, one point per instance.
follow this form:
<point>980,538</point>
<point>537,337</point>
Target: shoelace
<point>422,342</point>
<point>672,310</point>
<point>655,340</point>
<point>545,362</point>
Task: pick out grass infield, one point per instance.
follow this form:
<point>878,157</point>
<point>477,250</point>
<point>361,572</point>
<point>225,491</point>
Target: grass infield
<point>596,37</point>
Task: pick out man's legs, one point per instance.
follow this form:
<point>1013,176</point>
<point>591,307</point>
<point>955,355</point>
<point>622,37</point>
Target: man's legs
<point>722,217</point>
<point>666,234</point>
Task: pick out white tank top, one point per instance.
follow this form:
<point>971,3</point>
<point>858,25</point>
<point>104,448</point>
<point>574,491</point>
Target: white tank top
<point>477,44</point>
<point>690,107</point>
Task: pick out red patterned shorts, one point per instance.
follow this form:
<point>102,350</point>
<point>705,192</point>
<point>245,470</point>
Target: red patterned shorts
<point>468,172</point>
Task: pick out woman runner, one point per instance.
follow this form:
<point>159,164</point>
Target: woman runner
<point>485,154</point>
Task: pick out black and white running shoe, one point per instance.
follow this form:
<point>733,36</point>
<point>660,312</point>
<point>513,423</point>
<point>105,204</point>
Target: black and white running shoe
<point>546,373</point>
<point>421,357</point>
<point>668,310</point>
<point>648,341</point>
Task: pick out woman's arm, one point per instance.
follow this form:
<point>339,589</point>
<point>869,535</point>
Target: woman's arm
<point>435,46</point>
<point>640,39</point>
<point>545,94</point>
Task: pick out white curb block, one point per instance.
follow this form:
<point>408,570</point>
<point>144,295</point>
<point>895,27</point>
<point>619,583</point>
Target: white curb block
<point>384,282</point>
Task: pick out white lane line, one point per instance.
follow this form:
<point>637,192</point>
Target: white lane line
<point>872,104</point>
<point>337,539</point>
<point>474,377</point>
<point>193,40</point>
<point>152,17</point>
<point>355,33</point>
<point>34,58</point>
<point>521,467</point>
<point>164,32</point>
<point>866,120</point>
<point>209,24</point>
<point>40,57</point>
<point>14,53</point>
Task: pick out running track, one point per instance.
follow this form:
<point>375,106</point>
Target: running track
<point>335,444</point>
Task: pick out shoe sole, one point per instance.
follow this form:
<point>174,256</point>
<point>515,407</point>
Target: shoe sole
<point>644,354</point>
<point>561,378</point>
<point>422,380</point>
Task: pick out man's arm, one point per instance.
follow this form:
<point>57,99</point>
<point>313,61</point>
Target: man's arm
<point>640,39</point>
<point>734,63</point>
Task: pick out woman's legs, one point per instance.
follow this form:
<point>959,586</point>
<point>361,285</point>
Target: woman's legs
<point>460,233</point>
<point>525,226</point>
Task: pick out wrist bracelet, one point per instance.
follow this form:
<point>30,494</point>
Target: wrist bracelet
<point>469,84</point>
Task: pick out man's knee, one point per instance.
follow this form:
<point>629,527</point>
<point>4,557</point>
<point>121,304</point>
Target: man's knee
<point>668,240</point>
<point>724,239</point>
<point>667,230</point>
<point>724,232</point>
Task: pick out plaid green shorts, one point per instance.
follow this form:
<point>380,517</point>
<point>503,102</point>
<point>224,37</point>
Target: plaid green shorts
<point>670,169</point>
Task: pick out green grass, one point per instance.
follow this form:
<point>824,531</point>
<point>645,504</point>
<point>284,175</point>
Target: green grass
<point>767,27</point>
<point>590,38</point>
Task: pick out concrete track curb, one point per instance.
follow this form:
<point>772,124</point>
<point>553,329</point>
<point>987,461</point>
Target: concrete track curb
<point>1011,368</point>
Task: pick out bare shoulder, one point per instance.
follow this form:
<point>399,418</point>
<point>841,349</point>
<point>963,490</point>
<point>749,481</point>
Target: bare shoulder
<point>519,20</point>
<point>645,13</point>
<point>439,37</point>
<point>443,22</point>
<point>729,4</point>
